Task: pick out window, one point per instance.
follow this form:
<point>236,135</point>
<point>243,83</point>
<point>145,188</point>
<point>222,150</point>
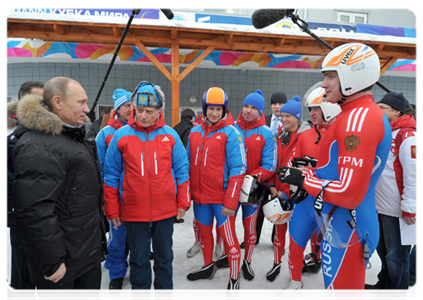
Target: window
<point>352,17</point>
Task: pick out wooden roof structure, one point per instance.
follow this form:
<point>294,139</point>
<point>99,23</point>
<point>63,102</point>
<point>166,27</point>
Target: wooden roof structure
<point>175,38</point>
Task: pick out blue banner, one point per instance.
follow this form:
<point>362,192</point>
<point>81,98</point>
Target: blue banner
<point>216,19</point>
<point>331,27</point>
<point>97,12</point>
<point>384,30</point>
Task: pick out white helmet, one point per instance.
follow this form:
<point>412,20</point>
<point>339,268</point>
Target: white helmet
<point>277,211</point>
<point>357,65</point>
<point>252,191</point>
<point>317,98</point>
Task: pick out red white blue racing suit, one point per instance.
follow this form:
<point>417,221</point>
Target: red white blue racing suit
<point>262,155</point>
<point>352,157</point>
<point>217,160</point>
<point>303,225</point>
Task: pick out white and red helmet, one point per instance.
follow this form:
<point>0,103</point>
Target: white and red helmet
<point>357,65</point>
<point>277,211</point>
<point>315,97</point>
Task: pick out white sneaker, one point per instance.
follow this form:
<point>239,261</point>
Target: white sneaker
<point>292,290</point>
<point>194,250</point>
<point>218,251</point>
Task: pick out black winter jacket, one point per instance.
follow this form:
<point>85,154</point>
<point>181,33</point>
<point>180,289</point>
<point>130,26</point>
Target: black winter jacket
<point>57,194</point>
<point>183,129</point>
<point>12,121</point>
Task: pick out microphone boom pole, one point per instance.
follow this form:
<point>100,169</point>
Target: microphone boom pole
<point>304,27</point>
<point>91,114</point>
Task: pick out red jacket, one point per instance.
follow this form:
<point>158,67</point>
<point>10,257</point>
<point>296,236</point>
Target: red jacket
<point>260,147</point>
<point>217,163</point>
<point>148,168</point>
<point>286,154</point>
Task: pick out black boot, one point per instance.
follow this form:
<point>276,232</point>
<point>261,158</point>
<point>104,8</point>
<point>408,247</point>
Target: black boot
<point>206,272</point>
<point>274,271</point>
<point>222,262</point>
<point>116,284</point>
<point>247,271</point>
<point>233,289</point>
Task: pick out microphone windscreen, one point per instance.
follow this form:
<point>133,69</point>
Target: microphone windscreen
<point>264,17</point>
<point>168,13</point>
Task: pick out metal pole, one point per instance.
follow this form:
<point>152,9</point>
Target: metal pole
<point>304,27</point>
<point>91,114</point>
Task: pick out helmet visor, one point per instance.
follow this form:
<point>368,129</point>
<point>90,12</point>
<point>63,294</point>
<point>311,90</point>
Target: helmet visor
<point>335,228</point>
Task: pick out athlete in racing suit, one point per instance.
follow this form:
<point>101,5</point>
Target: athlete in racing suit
<point>261,151</point>
<point>302,225</point>
<point>288,136</point>
<point>352,156</point>
<point>217,160</point>
<point>116,243</point>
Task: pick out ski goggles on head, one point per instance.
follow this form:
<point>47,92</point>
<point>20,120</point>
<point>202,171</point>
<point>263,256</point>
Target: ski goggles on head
<point>146,95</point>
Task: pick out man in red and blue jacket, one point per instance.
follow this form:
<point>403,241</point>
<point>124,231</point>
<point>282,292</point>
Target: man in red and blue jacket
<point>116,244</point>
<point>146,185</point>
<point>262,155</point>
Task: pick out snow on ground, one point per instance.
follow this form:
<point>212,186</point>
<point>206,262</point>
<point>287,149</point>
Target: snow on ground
<point>258,288</point>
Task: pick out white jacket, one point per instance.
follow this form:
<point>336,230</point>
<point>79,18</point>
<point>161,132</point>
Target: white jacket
<point>390,200</point>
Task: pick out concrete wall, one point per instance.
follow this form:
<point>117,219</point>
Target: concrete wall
<point>236,83</point>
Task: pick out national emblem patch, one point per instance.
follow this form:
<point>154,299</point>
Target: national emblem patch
<point>351,142</point>
<point>413,151</point>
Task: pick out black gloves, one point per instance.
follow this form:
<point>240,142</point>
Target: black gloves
<point>307,161</point>
<point>297,193</point>
<point>291,176</point>
<point>285,137</point>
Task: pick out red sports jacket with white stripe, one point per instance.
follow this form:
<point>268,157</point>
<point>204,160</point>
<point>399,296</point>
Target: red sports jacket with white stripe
<point>217,163</point>
<point>148,168</point>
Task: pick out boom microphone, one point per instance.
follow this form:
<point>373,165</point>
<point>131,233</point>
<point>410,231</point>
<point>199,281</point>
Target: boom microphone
<point>168,13</point>
<point>264,17</point>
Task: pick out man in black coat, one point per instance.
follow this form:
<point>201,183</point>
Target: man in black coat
<point>19,278</point>
<point>183,128</point>
<point>57,189</point>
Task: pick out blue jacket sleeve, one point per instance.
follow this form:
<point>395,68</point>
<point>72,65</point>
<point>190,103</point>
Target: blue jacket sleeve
<point>237,163</point>
<point>100,140</point>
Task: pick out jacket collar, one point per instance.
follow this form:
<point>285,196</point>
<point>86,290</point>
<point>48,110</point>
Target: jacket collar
<point>226,121</point>
<point>134,124</point>
<point>254,124</point>
<point>404,121</point>
<point>35,115</point>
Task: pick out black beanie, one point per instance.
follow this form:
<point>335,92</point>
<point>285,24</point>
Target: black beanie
<point>395,100</point>
<point>278,97</point>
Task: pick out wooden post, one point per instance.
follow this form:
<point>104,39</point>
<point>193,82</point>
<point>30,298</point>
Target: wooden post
<point>175,84</point>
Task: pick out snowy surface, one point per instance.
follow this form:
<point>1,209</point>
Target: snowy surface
<point>212,26</point>
<point>258,288</point>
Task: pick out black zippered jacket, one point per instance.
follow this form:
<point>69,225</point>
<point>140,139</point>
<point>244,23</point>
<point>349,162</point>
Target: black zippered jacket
<point>57,193</point>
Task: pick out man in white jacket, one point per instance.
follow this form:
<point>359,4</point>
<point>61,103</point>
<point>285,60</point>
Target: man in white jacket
<point>396,194</point>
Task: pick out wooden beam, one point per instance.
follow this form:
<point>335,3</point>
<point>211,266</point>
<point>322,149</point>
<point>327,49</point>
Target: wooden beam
<point>195,63</point>
<point>175,84</point>
<point>59,29</point>
<point>154,60</point>
<point>229,38</point>
<point>387,65</point>
<point>173,35</point>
